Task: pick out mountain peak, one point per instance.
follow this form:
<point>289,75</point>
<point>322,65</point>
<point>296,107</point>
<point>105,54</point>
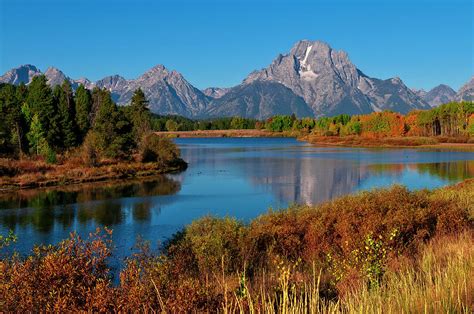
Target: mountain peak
<point>112,82</point>
<point>22,74</point>
<point>466,92</point>
<point>331,84</point>
<point>159,68</point>
<point>55,76</point>
<point>438,95</point>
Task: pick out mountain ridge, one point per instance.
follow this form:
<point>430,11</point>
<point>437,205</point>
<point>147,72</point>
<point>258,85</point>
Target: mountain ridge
<point>311,79</point>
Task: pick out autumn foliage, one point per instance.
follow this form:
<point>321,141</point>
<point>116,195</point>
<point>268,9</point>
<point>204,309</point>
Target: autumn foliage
<point>448,120</point>
<point>352,246</point>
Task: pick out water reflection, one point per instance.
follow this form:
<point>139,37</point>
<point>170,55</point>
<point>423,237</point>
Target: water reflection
<point>103,204</point>
<point>294,172</point>
<point>235,177</point>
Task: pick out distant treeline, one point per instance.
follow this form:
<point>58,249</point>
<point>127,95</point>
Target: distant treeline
<point>179,123</point>
<point>451,119</point>
<point>40,120</point>
<point>37,120</point>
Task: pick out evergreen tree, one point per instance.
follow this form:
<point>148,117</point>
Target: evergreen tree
<point>97,99</point>
<point>83,103</point>
<point>36,135</point>
<point>21,124</point>
<point>67,114</point>
<point>7,105</point>
<point>40,101</point>
<point>12,123</point>
<point>140,115</point>
<point>111,127</point>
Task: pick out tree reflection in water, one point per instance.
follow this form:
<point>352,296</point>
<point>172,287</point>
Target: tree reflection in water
<point>43,209</point>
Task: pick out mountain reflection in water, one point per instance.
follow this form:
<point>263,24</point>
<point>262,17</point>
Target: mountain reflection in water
<point>236,177</point>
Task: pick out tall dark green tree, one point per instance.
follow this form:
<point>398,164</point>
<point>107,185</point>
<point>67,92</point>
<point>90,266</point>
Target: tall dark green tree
<point>7,113</point>
<point>67,112</point>
<point>97,99</point>
<point>40,101</point>
<point>12,123</point>
<point>83,101</point>
<point>112,128</point>
<point>139,115</point>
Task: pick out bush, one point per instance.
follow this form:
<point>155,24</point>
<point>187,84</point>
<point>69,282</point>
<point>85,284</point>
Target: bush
<point>387,245</point>
<point>212,239</point>
<point>89,151</point>
<point>70,276</point>
<point>154,148</point>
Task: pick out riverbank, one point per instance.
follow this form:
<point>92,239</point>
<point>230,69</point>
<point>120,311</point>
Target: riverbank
<point>28,174</point>
<point>359,141</point>
<point>386,250</point>
<point>347,141</point>
<point>227,133</point>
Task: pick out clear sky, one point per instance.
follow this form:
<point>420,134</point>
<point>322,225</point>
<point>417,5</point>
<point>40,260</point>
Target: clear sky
<point>217,43</point>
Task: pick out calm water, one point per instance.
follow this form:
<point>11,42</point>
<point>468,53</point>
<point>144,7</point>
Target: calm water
<point>239,177</point>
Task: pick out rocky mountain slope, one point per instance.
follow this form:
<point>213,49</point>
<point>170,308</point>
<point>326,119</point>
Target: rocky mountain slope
<point>466,92</point>
<point>215,92</point>
<point>260,100</point>
<point>312,79</point>
<point>439,95</point>
<point>331,84</point>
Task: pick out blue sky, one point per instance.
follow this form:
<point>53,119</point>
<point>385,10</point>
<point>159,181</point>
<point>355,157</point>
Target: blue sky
<point>217,43</point>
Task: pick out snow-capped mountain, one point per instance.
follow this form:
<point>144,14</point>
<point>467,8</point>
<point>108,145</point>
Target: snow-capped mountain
<point>330,84</point>
<point>312,79</point>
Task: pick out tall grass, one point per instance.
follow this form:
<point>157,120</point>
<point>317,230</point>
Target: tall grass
<point>383,251</point>
<point>440,282</point>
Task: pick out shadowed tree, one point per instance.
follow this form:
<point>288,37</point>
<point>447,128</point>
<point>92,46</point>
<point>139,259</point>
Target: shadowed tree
<point>40,101</point>
<point>83,102</point>
<point>111,127</point>
<point>139,115</point>
<point>67,113</point>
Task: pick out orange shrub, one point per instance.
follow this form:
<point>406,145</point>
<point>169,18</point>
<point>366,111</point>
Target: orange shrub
<point>381,124</point>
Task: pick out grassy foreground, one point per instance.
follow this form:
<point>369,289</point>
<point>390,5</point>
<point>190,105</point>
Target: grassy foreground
<point>384,251</point>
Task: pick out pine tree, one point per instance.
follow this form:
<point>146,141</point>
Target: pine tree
<point>67,113</point>
<point>7,103</point>
<point>21,126</point>
<point>12,123</point>
<point>111,127</point>
<point>40,101</point>
<point>140,116</point>
<point>36,135</point>
<point>83,103</point>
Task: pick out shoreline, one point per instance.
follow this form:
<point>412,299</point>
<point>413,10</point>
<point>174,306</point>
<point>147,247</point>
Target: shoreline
<point>40,175</point>
<point>338,141</point>
<point>58,176</point>
<point>225,133</point>
<point>387,142</point>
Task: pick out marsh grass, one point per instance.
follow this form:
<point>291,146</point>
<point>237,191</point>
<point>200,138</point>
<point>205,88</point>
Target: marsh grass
<point>441,282</point>
<point>384,251</point>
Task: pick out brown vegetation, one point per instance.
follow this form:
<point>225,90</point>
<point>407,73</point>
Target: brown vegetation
<point>412,141</point>
<point>33,173</point>
<point>226,133</point>
<point>384,250</point>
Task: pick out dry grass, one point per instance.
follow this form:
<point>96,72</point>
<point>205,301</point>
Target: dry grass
<point>385,251</point>
<point>412,141</point>
<point>440,282</point>
<point>371,141</point>
<point>23,174</point>
<point>228,133</point>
